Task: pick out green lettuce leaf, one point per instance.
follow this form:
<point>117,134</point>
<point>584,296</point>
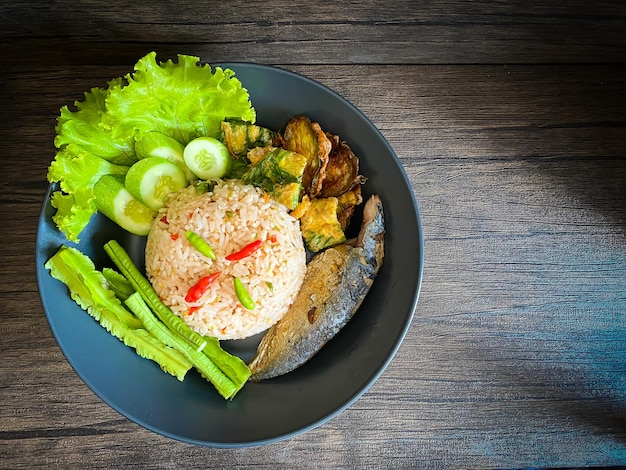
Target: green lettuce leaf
<point>77,171</point>
<point>89,289</point>
<point>183,100</point>
<point>83,128</point>
<point>73,211</point>
<point>75,168</point>
<point>88,286</point>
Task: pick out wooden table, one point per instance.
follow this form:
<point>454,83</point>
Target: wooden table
<point>510,121</point>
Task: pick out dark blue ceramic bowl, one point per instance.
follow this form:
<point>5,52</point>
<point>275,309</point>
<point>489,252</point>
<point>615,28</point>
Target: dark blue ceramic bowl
<point>192,411</point>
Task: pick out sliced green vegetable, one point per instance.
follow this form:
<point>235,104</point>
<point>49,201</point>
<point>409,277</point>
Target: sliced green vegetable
<point>207,368</point>
<point>151,181</point>
<point>207,158</point>
<point>88,288</point>
<point>126,266</point>
<point>168,359</point>
<point>157,144</point>
<point>88,285</point>
<point>113,200</point>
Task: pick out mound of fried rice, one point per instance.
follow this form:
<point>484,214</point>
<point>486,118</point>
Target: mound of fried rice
<point>229,217</point>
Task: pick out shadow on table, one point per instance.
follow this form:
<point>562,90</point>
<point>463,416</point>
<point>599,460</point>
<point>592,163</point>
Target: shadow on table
<point>569,382</point>
<point>580,138</point>
<point>590,186</point>
<point>597,410</point>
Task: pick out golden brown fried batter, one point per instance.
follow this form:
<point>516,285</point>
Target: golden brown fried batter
<point>319,223</point>
<point>307,138</point>
<point>342,171</point>
<point>240,136</point>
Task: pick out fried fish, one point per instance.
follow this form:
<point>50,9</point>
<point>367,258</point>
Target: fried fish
<point>336,282</point>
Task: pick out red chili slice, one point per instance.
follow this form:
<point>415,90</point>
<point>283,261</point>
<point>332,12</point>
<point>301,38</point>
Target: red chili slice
<point>245,251</point>
<point>196,291</point>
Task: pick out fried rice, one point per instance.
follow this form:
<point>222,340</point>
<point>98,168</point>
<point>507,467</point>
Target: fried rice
<point>228,217</point>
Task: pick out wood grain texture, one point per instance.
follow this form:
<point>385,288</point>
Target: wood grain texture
<point>280,32</point>
<point>510,121</point>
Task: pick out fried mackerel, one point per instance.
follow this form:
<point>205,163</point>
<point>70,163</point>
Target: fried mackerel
<point>336,282</point>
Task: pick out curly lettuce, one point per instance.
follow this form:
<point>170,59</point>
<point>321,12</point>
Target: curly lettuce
<point>73,211</point>
<point>75,168</point>
<point>83,128</point>
<point>183,100</point>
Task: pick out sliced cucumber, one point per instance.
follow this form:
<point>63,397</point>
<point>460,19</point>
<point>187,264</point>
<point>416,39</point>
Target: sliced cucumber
<point>207,158</point>
<point>151,180</point>
<point>114,201</point>
<point>155,144</point>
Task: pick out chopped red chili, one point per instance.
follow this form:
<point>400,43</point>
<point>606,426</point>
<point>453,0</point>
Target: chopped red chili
<point>196,291</point>
<point>245,251</point>
<point>273,238</point>
<point>164,220</point>
<point>174,236</point>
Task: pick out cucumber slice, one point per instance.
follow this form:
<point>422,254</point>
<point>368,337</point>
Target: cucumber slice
<point>207,158</point>
<point>153,179</point>
<point>155,144</point>
<point>115,202</point>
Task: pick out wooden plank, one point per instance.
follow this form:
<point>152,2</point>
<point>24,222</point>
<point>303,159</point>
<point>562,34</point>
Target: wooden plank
<point>279,32</point>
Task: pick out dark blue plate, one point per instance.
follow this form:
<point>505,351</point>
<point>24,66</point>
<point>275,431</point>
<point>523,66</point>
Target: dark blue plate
<point>192,411</point>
